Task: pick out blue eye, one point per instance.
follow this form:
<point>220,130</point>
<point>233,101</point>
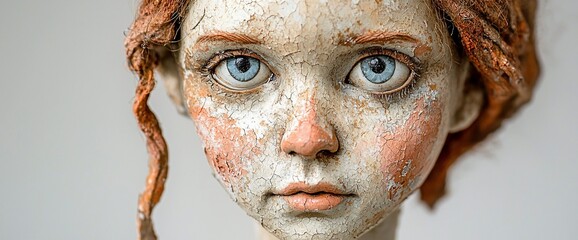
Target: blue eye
<point>243,68</point>
<point>378,69</point>
<point>380,74</point>
<point>241,73</point>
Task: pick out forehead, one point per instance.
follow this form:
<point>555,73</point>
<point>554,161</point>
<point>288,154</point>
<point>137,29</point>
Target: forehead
<point>290,21</point>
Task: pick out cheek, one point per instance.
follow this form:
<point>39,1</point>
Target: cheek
<point>227,147</point>
<point>409,152</point>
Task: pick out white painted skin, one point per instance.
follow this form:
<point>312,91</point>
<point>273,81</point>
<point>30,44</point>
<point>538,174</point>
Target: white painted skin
<point>387,143</point>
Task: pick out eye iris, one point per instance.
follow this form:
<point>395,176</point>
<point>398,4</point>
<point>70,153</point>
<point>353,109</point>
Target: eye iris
<point>243,68</point>
<point>378,69</point>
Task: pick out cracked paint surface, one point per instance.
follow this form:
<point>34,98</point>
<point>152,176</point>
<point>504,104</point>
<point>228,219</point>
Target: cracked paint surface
<point>307,125</point>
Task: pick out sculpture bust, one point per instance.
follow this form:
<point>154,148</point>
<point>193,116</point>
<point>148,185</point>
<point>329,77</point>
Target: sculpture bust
<point>320,117</point>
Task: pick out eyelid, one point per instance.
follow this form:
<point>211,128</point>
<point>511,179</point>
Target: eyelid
<point>411,63</point>
<point>208,69</point>
<point>220,56</point>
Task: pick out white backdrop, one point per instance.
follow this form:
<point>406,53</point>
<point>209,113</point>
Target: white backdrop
<point>72,161</point>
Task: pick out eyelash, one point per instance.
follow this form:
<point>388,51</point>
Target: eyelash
<point>401,93</point>
<point>211,64</point>
<point>412,63</point>
<point>207,69</point>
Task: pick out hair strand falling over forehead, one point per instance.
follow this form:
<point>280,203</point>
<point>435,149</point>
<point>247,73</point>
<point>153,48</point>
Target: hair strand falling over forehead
<point>496,35</point>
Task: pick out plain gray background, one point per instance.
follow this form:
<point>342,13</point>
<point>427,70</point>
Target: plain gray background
<point>73,161</point>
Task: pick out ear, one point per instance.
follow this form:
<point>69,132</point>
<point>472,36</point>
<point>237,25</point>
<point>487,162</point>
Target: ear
<point>170,73</point>
<point>469,99</point>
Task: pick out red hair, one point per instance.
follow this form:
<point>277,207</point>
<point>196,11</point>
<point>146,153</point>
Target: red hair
<point>156,25</point>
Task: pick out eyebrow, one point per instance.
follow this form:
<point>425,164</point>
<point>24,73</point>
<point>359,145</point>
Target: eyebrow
<point>227,36</point>
<point>379,37</point>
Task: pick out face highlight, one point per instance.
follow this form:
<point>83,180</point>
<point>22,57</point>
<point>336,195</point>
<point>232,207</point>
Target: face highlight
<point>319,117</point>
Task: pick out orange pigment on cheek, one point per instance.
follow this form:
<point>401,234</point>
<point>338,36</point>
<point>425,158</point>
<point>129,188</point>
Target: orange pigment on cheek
<point>227,147</point>
<point>413,142</point>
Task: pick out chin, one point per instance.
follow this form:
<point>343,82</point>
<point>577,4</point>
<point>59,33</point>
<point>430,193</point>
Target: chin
<point>349,220</point>
<point>305,228</point>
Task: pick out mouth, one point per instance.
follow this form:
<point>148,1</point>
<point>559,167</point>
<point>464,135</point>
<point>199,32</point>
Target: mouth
<point>312,198</point>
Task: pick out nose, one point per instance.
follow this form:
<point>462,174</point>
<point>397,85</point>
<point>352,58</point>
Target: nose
<point>309,133</point>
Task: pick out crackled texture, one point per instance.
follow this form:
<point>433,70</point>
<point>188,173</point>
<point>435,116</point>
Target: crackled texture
<point>310,153</point>
<point>308,125</point>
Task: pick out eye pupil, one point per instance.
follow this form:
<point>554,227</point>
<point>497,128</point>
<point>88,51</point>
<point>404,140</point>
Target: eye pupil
<point>376,65</point>
<point>242,64</point>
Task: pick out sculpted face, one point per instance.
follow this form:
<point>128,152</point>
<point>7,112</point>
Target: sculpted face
<point>320,117</point>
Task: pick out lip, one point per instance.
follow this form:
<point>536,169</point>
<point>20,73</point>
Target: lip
<point>311,198</point>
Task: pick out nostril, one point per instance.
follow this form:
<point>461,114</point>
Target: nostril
<point>310,141</point>
<point>309,133</point>
<point>329,152</point>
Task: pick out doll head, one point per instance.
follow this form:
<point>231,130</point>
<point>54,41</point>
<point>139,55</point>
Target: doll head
<point>320,118</point>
